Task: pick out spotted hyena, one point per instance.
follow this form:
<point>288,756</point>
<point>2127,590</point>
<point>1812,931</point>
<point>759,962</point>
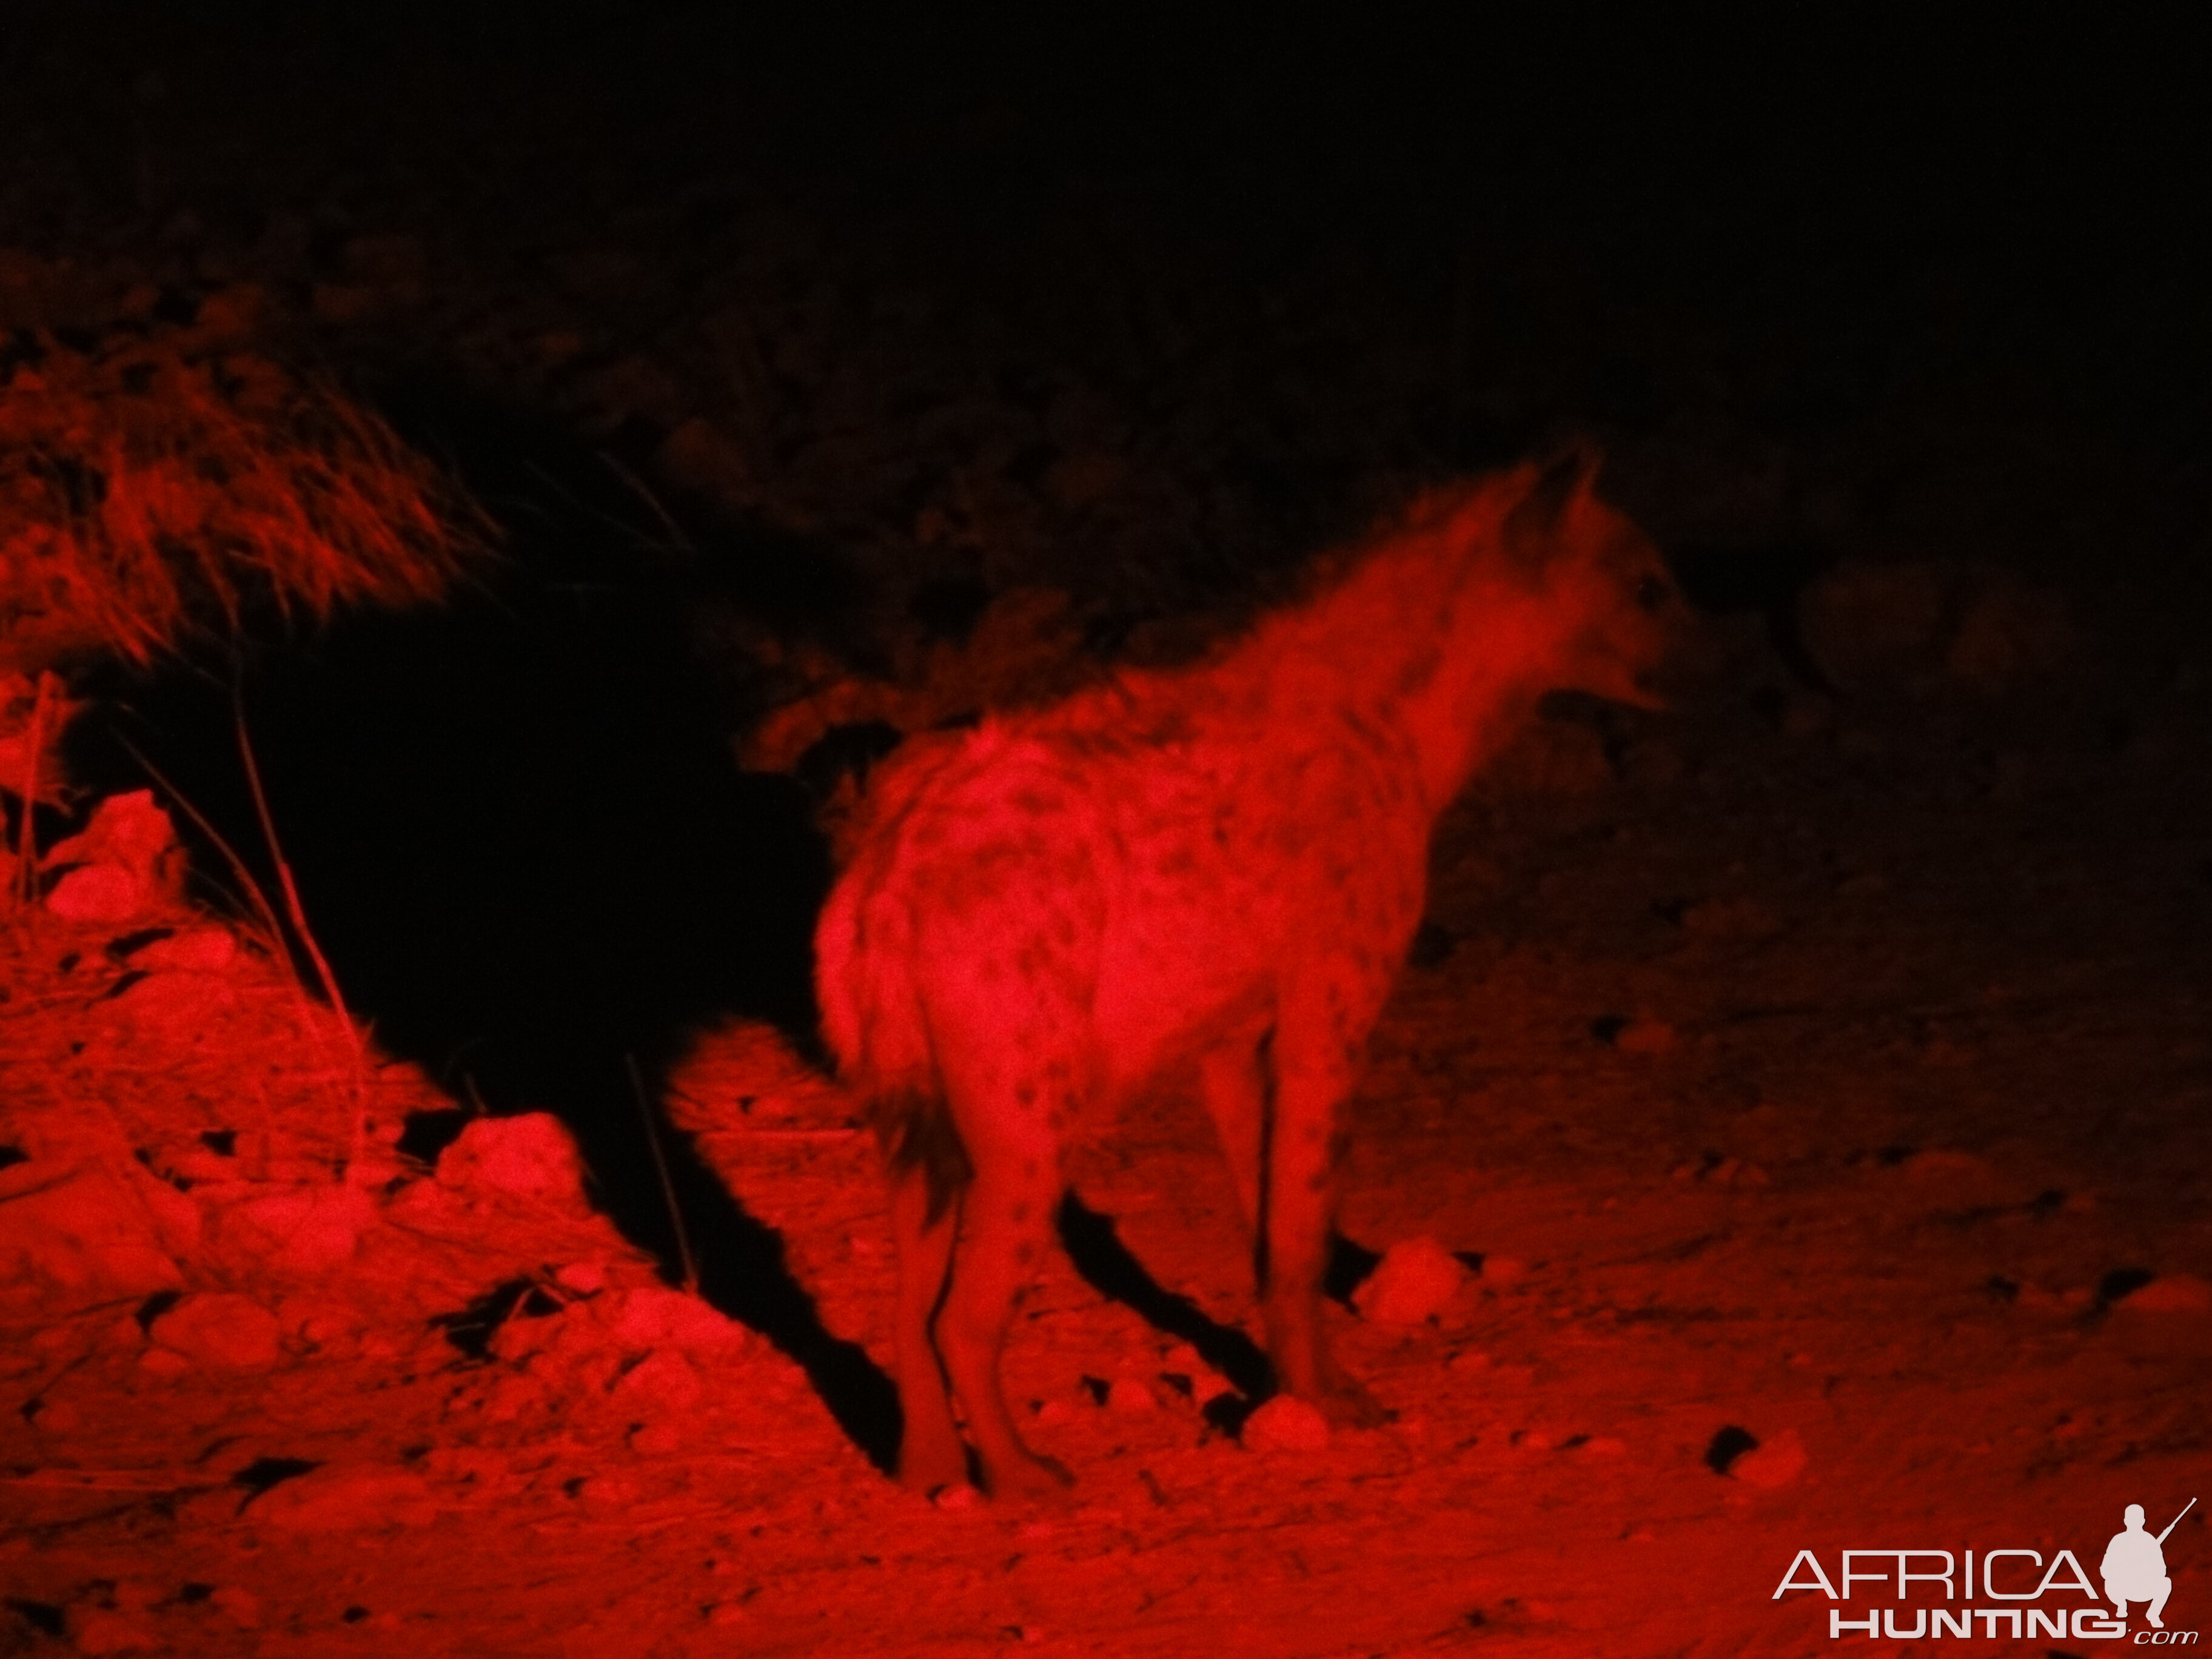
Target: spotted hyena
<point>1211,871</point>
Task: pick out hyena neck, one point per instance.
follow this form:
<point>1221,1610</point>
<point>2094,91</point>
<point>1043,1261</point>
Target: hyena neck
<point>1430,635</point>
<point>1476,686</point>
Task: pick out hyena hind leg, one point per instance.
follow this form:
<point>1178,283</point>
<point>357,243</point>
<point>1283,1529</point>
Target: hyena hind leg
<point>1233,1084</point>
<point>930,1452</point>
<point>1006,1221</point>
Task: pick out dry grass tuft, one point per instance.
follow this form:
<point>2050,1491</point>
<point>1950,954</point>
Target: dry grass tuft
<point>150,493</point>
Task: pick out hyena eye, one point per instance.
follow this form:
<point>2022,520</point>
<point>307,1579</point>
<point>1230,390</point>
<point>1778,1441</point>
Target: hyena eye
<point>1652,593</point>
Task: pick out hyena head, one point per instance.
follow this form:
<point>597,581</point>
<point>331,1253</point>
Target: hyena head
<point>1607,604</point>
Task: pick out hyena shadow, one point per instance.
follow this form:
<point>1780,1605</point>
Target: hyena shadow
<point>517,832</point>
<point>1093,1247</point>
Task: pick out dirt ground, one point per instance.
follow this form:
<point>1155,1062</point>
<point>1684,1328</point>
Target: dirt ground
<point>1805,1086</point>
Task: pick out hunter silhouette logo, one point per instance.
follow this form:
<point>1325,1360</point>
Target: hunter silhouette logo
<point>2135,1566</point>
<point>2133,1570</point>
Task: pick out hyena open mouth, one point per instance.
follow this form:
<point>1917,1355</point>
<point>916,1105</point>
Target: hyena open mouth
<point>1219,866</point>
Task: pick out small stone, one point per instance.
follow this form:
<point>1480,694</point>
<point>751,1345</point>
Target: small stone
<point>1645,1037</point>
<point>348,1498</point>
<point>1412,1282</point>
<point>127,832</point>
<point>110,1630</point>
<point>651,1316</point>
<point>97,892</point>
<point>1501,1272</point>
<point>2170,1293</point>
<point>1285,1425</point>
<point>584,1277</point>
<point>54,1416</point>
<point>91,1233</point>
<point>220,1330</point>
<point>1772,1464</point>
<point>196,950</point>
<point>531,1156</point>
<point>306,1229</point>
<point>1129,1396</point>
<point>1207,1384</point>
<point>662,1382</point>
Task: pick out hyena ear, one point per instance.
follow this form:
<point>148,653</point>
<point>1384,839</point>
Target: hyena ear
<point>1562,480</point>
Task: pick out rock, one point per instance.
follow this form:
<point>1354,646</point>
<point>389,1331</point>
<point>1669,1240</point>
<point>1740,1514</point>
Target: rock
<point>1415,1281</point>
<point>90,1234</point>
<point>98,892</point>
<point>605,1494</point>
<point>1946,1166</point>
<point>1772,1464</point>
<point>584,1277</point>
<point>661,1382</point>
<point>653,1317</point>
<point>308,1230</point>
<point>1645,1037</point>
<point>111,1630</point>
<point>531,1156</point>
<point>1207,1384</point>
<point>2170,1293</point>
<point>1499,1271</point>
<point>196,950</point>
<point>163,1365</point>
<point>348,1498</point>
<point>1285,1425</point>
<point>126,858</point>
<point>220,1330</point>
<point>180,1004</point>
<point>1130,1397</point>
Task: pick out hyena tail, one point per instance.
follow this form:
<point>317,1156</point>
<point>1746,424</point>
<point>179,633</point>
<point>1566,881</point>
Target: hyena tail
<point>866,984</point>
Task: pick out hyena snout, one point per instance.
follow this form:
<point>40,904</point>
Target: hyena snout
<point>1632,616</point>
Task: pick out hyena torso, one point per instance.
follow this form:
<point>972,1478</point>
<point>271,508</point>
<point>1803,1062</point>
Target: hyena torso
<point>1216,870</point>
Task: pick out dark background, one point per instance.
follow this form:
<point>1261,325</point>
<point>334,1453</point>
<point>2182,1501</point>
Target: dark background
<point>754,329</point>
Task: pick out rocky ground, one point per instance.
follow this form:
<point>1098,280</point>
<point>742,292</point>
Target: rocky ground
<point>1789,1134</point>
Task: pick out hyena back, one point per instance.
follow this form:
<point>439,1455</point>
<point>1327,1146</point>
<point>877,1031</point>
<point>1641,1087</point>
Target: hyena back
<point>1212,872</point>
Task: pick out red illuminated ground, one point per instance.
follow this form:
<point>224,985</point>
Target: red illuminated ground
<point>1819,1075</point>
<point>1917,1058</point>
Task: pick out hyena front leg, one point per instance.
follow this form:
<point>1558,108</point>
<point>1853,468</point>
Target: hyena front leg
<point>930,1453</point>
<point>1314,1066</point>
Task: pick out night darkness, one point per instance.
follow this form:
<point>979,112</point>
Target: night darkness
<point>1786,1133</point>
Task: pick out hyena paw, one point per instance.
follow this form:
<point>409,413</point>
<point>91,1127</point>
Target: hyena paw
<point>1028,1478</point>
<point>929,1468</point>
<point>1348,1406</point>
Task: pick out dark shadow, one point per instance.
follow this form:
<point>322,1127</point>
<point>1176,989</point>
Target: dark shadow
<point>521,838</point>
<point>1106,1265</point>
<point>1764,580</point>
